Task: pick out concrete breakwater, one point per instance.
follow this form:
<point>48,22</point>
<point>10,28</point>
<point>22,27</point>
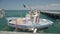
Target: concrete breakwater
<point>52,14</point>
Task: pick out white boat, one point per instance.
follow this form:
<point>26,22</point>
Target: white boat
<point>26,23</point>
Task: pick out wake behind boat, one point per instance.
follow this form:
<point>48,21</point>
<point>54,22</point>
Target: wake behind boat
<point>30,22</point>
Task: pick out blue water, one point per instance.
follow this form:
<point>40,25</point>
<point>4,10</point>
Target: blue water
<point>55,28</point>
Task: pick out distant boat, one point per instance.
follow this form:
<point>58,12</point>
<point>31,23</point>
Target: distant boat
<point>27,23</point>
<point>2,13</point>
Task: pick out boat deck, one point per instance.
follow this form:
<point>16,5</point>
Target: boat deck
<point>19,21</point>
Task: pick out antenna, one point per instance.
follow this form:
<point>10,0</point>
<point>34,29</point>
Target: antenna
<point>30,4</point>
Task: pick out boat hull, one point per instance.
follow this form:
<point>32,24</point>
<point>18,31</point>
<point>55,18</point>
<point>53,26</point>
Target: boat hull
<point>44,23</point>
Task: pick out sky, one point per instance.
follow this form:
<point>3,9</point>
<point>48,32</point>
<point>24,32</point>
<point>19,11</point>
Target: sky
<point>34,4</point>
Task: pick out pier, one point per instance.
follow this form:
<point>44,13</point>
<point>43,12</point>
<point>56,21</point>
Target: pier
<point>7,32</point>
<point>52,14</point>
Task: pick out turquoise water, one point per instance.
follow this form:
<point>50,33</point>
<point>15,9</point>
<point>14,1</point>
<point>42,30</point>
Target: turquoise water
<point>55,28</point>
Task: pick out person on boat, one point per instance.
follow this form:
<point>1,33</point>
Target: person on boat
<point>37,13</point>
<point>31,15</point>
